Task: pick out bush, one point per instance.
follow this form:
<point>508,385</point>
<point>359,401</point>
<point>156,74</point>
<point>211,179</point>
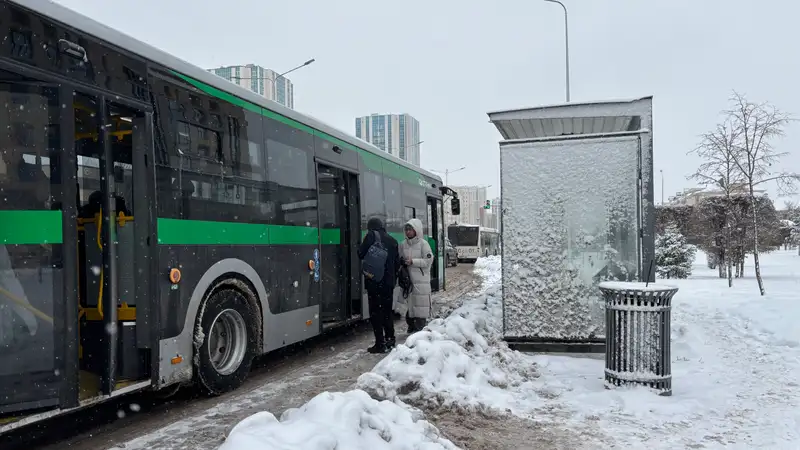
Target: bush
<point>674,256</point>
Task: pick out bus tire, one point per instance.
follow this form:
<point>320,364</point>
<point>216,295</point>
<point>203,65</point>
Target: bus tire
<point>226,322</point>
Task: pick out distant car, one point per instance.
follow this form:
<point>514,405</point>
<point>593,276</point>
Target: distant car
<point>450,254</point>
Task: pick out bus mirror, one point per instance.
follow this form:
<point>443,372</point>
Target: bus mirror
<point>455,206</point>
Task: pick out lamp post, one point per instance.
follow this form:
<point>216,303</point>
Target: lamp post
<point>447,172</point>
<point>310,61</point>
<point>275,79</point>
<point>662,186</point>
<point>566,41</point>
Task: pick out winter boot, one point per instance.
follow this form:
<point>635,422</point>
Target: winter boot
<point>379,347</point>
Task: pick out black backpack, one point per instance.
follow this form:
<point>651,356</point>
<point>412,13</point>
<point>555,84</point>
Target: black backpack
<point>374,264</point>
<point>404,281</point>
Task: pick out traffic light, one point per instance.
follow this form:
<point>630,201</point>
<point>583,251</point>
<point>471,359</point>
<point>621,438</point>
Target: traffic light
<point>488,205</point>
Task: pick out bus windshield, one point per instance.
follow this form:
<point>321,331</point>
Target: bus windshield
<point>461,236</point>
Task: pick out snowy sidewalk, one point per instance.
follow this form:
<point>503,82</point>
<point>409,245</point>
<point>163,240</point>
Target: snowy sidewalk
<point>736,369</point>
<point>736,364</point>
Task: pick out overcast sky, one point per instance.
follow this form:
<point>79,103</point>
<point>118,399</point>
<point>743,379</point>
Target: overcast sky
<point>448,62</point>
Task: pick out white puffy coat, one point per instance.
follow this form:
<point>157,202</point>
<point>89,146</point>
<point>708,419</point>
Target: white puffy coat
<point>419,251</point>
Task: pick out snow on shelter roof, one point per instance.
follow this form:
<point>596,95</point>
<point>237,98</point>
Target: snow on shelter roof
<point>127,43</point>
<point>612,116</point>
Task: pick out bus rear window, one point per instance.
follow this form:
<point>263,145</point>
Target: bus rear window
<point>463,236</point>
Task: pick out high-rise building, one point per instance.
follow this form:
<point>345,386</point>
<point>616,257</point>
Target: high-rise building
<point>264,82</point>
<point>396,134</point>
<point>473,199</point>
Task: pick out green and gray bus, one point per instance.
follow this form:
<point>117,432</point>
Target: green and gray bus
<point>161,226</point>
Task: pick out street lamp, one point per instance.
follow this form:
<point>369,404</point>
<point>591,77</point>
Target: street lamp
<point>447,172</point>
<point>566,40</point>
<point>662,186</point>
<point>298,67</point>
<point>277,76</point>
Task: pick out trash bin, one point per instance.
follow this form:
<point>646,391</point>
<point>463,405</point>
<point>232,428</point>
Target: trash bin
<point>638,334</point>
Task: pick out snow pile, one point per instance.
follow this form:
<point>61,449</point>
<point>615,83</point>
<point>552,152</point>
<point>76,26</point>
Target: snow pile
<point>735,369</point>
<point>338,420</point>
<point>459,362</point>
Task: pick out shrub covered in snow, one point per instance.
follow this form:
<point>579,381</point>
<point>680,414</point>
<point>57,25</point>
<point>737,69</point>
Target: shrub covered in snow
<point>338,420</point>
<point>458,363</point>
<point>674,256</point>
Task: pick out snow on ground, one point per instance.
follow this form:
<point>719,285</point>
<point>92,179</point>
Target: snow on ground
<point>459,362</point>
<point>736,369</point>
<point>736,379</point>
<point>336,420</point>
<point>462,352</point>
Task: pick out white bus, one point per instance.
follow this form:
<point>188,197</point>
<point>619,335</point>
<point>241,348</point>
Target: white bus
<point>473,241</point>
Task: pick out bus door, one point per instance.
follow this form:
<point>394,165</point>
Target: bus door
<point>38,305</point>
<point>112,142</point>
<point>436,240</point>
<point>339,227</point>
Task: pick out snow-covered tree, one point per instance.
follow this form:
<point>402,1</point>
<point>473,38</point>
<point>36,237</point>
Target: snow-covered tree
<point>674,256</point>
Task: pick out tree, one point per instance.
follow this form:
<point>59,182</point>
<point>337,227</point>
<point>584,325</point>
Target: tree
<point>757,125</point>
<point>718,149</point>
<point>674,256</point>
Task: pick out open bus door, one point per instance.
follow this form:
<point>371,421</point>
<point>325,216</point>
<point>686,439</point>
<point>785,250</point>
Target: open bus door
<point>73,323</point>
<point>112,142</point>
<point>339,224</point>
<point>436,241</point>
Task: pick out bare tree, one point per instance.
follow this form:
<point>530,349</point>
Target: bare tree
<point>718,149</point>
<point>758,125</point>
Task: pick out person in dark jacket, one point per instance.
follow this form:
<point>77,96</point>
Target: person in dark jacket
<point>379,294</point>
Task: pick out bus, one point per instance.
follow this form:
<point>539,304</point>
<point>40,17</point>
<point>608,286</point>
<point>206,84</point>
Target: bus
<point>162,226</point>
<point>473,241</point>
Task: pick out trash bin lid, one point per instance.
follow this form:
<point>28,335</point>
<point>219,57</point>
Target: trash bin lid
<point>635,286</point>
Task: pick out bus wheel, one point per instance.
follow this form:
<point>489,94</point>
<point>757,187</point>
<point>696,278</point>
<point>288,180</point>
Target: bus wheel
<point>223,359</point>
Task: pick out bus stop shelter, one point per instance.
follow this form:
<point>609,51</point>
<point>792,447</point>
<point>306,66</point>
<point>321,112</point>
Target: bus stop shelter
<point>577,192</point>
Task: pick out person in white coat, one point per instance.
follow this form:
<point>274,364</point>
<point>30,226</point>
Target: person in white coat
<point>416,254</point>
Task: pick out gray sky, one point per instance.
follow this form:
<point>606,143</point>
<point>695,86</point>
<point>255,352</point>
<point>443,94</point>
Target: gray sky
<point>448,62</point>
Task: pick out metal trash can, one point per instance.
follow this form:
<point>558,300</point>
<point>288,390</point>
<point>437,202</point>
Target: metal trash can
<point>638,346</point>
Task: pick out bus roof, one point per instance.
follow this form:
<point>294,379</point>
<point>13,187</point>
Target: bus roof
<point>105,33</point>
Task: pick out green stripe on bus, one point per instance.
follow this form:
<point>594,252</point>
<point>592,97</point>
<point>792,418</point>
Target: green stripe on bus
<point>373,162</point>
<point>204,232</point>
<point>30,227</point>
<point>330,236</point>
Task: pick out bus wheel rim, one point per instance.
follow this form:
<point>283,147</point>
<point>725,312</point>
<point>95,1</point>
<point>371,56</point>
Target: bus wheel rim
<point>227,341</point>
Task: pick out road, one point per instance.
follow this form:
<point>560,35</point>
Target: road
<point>279,382</point>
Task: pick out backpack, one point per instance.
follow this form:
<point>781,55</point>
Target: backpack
<point>404,281</point>
<point>374,264</point>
